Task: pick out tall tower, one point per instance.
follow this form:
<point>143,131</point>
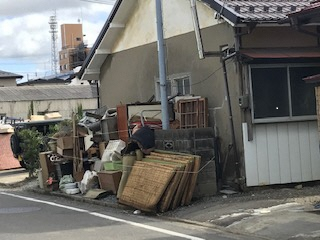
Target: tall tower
<point>54,36</point>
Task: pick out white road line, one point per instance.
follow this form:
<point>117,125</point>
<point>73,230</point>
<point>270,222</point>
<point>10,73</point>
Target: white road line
<point>140,225</point>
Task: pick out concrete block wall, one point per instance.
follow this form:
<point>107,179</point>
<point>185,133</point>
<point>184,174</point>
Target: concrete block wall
<point>197,141</point>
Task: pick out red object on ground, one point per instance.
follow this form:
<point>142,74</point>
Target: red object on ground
<point>7,160</point>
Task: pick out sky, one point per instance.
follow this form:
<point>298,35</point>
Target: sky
<point>25,41</point>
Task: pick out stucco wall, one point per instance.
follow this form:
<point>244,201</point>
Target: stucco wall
<point>65,108</point>
<point>278,37</point>
<point>141,26</point>
<point>129,76</point>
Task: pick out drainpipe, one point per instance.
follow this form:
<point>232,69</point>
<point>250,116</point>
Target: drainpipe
<point>196,26</point>
<point>162,67</point>
<point>98,93</point>
<point>231,123</point>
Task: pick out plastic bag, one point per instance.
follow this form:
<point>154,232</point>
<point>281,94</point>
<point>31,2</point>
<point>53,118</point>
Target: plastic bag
<point>64,180</point>
<point>90,179</point>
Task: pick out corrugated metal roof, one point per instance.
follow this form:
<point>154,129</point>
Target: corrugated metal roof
<point>38,93</point>
<point>4,74</point>
<point>259,10</point>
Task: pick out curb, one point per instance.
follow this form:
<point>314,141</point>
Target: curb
<point>16,184</point>
<point>81,199</point>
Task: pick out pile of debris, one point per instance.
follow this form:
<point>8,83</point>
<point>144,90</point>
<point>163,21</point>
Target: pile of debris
<point>93,159</point>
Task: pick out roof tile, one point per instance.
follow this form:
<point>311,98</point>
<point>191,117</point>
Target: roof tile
<point>264,10</point>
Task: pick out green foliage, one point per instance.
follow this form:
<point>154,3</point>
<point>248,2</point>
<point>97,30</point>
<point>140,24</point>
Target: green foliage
<point>79,112</point>
<point>53,129</point>
<point>31,141</point>
<point>60,129</point>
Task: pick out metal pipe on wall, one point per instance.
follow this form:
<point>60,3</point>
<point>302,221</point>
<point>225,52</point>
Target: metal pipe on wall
<point>162,67</point>
<point>196,26</point>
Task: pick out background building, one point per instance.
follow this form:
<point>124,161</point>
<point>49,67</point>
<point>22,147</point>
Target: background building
<point>8,79</point>
<point>74,50</point>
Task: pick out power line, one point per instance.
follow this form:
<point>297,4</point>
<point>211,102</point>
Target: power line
<point>210,75</point>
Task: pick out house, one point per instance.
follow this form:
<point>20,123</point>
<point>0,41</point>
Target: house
<point>8,79</point>
<point>266,121</point>
<point>20,102</point>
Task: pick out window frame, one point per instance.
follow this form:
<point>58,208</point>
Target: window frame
<point>289,118</point>
<point>173,79</point>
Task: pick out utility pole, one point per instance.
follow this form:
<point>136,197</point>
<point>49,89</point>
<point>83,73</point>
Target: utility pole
<point>162,67</point>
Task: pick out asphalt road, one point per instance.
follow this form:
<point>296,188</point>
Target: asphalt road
<point>28,216</point>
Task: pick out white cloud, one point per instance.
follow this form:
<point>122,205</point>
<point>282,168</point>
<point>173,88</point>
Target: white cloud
<point>25,29</point>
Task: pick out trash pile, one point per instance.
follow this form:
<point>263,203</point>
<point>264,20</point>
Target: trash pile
<point>91,159</point>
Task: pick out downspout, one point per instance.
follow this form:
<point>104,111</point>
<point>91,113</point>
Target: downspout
<point>197,28</point>
<point>98,93</point>
<point>243,91</point>
<point>231,123</point>
<point>162,67</point>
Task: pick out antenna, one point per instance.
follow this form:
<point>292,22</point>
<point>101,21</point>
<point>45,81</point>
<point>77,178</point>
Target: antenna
<point>54,37</point>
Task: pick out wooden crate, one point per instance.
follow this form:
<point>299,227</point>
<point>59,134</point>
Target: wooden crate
<point>193,113</point>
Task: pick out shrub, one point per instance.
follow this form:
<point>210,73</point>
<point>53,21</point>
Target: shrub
<point>31,142</point>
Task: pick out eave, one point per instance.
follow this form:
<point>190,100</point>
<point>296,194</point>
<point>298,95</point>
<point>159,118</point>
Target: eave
<point>109,34</point>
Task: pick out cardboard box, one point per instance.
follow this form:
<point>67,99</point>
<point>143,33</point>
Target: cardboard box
<point>109,180</point>
<point>47,168</point>
<point>65,143</point>
<point>65,152</point>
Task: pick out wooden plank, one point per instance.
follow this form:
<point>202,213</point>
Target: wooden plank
<point>182,187</point>
<point>305,153</point>
<point>262,155</point>
<point>173,156</point>
<point>193,179</point>
<point>250,157</point>
<point>122,122</point>
<point>273,154</point>
<point>294,152</point>
<point>284,160</point>
<point>183,183</point>
<point>194,175</point>
<point>167,197</point>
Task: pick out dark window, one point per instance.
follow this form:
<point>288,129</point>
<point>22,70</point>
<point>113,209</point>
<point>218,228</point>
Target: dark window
<point>270,92</point>
<point>275,89</point>
<point>302,94</point>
